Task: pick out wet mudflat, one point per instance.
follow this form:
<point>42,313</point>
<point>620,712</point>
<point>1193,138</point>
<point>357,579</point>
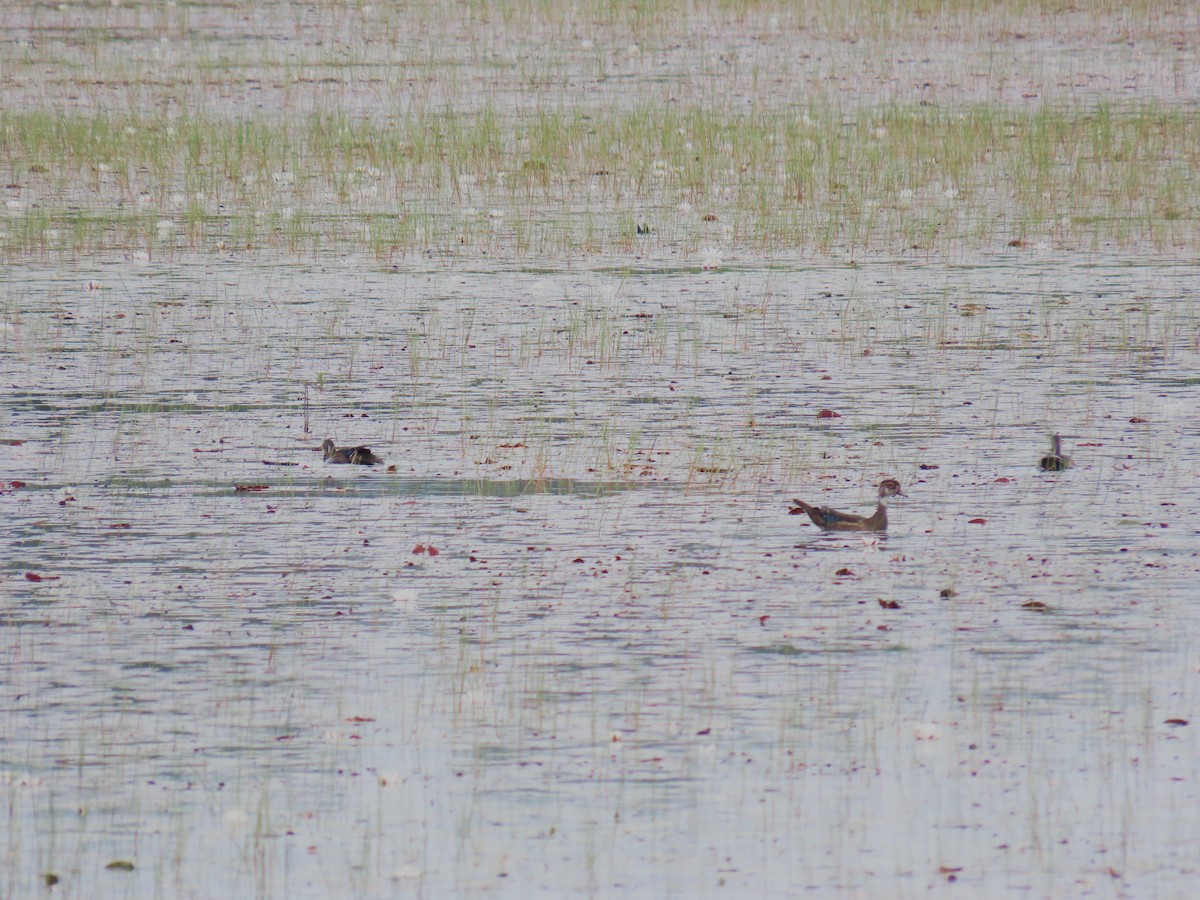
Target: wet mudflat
<point>606,287</point>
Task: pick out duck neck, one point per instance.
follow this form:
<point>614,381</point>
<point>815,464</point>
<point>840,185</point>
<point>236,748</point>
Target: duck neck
<point>879,520</point>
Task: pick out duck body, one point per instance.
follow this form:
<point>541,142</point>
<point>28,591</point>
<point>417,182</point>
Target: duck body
<point>1054,461</point>
<point>354,456</point>
<point>828,519</point>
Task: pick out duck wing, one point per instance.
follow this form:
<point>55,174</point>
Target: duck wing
<point>362,456</point>
<point>834,518</point>
<point>824,517</point>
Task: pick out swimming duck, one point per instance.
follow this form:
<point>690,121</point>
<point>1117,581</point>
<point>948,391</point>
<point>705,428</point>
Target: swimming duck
<point>831,520</point>
<point>1054,461</point>
<point>356,456</point>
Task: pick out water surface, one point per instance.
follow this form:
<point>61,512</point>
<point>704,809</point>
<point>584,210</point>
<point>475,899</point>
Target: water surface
<point>625,669</point>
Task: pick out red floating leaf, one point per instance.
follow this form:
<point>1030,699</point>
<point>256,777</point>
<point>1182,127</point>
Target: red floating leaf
<point>250,487</point>
<point>32,576</point>
<point>977,521</point>
<point>889,604</point>
<point>419,549</point>
<point>119,525</point>
<point>1175,722</point>
<point>16,484</point>
<point>1035,604</point>
<point>432,550</point>
<point>828,414</point>
<point>1138,420</point>
<point>762,620</point>
<point>843,572</point>
<point>1002,480</point>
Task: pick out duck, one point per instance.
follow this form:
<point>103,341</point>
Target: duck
<point>356,456</point>
<point>1054,461</point>
<point>831,520</point>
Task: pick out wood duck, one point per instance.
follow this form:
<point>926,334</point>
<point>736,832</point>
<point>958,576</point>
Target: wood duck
<point>1054,461</point>
<point>831,520</point>
<point>355,456</point>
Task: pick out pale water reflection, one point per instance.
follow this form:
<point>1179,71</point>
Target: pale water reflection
<point>625,669</point>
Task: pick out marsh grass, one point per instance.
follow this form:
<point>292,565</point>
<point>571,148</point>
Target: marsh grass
<point>887,180</point>
<point>875,20</point>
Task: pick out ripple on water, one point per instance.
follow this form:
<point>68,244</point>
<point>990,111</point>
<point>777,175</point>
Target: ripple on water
<point>622,636</point>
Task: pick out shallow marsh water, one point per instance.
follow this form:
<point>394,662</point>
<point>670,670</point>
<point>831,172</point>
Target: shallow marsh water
<point>626,669</point>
